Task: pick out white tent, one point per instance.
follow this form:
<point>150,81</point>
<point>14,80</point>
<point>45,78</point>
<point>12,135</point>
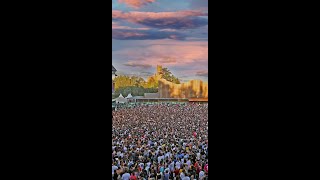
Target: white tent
<point>129,96</point>
<point>121,99</point>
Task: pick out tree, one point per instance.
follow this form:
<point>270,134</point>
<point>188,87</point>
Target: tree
<point>167,75</point>
<point>137,86</point>
<point>122,81</point>
<point>152,83</point>
<point>126,81</point>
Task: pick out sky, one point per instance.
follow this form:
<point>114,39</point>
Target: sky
<point>171,33</point>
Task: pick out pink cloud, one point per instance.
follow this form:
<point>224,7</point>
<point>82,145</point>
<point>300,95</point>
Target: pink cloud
<point>204,73</point>
<point>164,20</point>
<point>127,35</point>
<point>115,25</point>
<point>186,60</point>
<point>136,16</point>
<point>168,53</point>
<point>136,3</point>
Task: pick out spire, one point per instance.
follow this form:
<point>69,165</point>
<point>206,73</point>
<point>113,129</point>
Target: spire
<point>159,70</point>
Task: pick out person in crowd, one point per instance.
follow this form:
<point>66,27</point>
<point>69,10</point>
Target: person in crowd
<point>133,176</point>
<point>126,176</point>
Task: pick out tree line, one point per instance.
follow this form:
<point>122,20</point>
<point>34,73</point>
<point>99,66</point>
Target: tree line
<point>137,86</point>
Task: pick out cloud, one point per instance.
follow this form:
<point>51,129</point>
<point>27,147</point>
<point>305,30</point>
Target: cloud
<point>129,33</point>
<point>136,3</point>
<point>164,20</point>
<point>172,33</point>
<point>146,74</point>
<point>203,73</point>
<point>116,25</point>
<point>168,60</point>
<point>199,4</point>
<point>186,59</point>
<point>178,54</point>
<point>137,65</point>
<point>136,34</point>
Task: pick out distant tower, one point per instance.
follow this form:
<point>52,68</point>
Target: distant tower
<point>113,76</point>
<point>159,70</point>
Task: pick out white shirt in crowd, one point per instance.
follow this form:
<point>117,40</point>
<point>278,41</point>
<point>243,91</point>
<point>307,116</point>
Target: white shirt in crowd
<point>114,168</point>
<point>189,162</point>
<point>171,166</point>
<point>178,165</point>
<point>126,176</point>
<point>182,175</point>
<point>201,174</point>
<point>198,155</point>
<point>141,165</point>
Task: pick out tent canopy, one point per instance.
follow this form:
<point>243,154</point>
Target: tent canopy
<point>129,96</point>
<point>120,99</point>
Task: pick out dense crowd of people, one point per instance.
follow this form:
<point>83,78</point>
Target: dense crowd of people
<point>160,142</point>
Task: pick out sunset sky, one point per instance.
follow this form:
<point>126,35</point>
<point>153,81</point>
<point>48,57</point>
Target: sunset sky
<point>172,33</point>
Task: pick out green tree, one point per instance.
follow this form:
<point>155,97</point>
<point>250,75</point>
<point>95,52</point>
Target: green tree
<point>126,81</point>
<point>135,91</point>
<point>167,75</point>
<point>137,86</point>
<point>122,81</point>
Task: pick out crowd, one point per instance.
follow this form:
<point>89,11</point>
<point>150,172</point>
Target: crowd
<point>160,142</point>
